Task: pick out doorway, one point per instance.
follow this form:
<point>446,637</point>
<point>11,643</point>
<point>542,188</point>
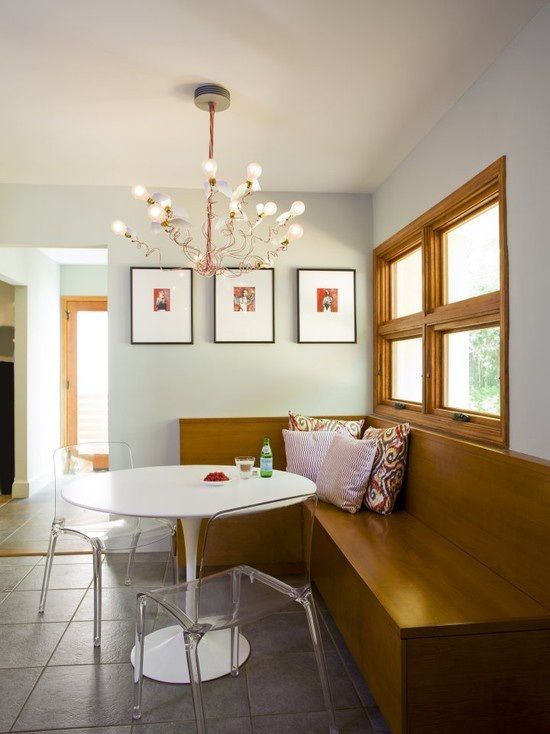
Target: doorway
<point>7,406</point>
<point>84,367</point>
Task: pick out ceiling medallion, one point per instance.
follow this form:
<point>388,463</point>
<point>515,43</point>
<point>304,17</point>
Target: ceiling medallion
<point>233,237</point>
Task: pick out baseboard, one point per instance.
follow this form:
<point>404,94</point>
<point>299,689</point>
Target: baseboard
<point>22,489</point>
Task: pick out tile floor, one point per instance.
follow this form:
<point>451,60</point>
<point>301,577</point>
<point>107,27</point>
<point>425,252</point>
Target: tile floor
<point>52,679</point>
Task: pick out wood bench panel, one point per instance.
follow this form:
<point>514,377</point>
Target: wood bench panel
<point>479,684</point>
<point>426,584</point>
<point>494,504</point>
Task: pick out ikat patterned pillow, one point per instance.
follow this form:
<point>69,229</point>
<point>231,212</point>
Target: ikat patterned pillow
<point>389,466</point>
<point>298,422</point>
<point>343,477</point>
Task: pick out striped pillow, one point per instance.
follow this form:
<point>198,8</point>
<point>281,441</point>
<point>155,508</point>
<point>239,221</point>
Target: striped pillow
<point>344,475</point>
<point>305,451</point>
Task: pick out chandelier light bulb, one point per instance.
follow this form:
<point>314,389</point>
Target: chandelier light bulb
<point>234,207</point>
<point>260,210</point>
<point>209,168</point>
<point>297,208</point>
<point>270,208</point>
<point>156,213</point>
<point>163,199</point>
<point>295,231</point>
<point>253,171</point>
<point>140,192</point>
<point>118,227</point>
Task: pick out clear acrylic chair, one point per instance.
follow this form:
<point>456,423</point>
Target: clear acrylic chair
<point>229,598</point>
<point>104,533</point>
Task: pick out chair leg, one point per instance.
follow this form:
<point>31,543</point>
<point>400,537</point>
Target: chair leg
<point>132,558</point>
<point>235,636</point>
<point>191,651</point>
<point>175,562</point>
<point>139,654</point>
<point>48,569</point>
<point>313,623</point>
<point>97,594</point>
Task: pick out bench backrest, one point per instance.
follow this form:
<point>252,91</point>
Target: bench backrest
<point>493,504</point>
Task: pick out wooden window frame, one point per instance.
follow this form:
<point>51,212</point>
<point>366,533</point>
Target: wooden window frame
<point>68,361</point>
<point>438,317</point>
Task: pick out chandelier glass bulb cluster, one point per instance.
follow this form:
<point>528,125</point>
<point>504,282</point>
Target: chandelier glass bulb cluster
<point>233,231</point>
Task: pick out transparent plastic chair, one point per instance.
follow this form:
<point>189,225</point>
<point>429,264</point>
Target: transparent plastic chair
<point>105,533</point>
<point>228,598</point>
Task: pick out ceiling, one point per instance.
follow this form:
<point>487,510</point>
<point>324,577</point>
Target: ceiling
<point>76,255</point>
<point>327,96</point>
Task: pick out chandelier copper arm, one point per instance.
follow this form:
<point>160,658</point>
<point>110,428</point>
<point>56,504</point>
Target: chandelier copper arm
<point>233,236</point>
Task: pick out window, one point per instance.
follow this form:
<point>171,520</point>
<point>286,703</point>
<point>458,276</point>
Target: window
<point>441,305</point>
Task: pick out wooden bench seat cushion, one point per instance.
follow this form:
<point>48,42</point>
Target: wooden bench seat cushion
<point>427,585</point>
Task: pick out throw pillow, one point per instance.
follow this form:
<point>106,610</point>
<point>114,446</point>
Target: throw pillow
<point>389,466</point>
<point>345,472</point>
<point>305,451</point>
<point>298,422</point>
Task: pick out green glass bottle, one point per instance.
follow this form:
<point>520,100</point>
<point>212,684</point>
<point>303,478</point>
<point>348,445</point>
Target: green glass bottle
<point>266,460</point>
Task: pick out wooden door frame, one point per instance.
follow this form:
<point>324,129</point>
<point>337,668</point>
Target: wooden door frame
<point>65,385</point>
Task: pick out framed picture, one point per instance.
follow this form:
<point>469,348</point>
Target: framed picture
<point>161,305</point>
<point>244,307</point>
<point>326,306</point>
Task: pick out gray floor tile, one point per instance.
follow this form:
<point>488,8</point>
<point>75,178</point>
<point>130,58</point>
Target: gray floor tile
<point>22,606</point>
<point>377,721</point>
<point>62,559</point>
<point>282,633</point>
<point>94,730</point>
<point>241,725</point>
<point>19,561</point>
<point>117,603</point>
<point>224,697</point>
<point>145,575</point>
<point>79,696</point>
<point>15,686</point>
<point>28,645</point>
<point>75,576</point>
<point>350,721</point>
<point>11,576</point>
<point>76,646</point>
<point>290,684</point>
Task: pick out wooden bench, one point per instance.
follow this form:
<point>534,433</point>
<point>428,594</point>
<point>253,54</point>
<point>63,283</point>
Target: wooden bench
<point>445,604</point>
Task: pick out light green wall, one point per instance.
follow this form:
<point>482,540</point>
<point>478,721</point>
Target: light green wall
<point>83,280</point>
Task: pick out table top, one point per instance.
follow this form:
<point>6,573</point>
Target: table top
<point>177,491</point>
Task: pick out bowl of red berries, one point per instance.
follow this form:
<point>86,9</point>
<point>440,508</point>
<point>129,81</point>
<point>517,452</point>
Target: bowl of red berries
<point>216,478</point>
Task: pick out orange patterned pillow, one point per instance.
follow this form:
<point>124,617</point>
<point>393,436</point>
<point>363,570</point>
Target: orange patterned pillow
<point>388,468</point>
<point>297,422</point>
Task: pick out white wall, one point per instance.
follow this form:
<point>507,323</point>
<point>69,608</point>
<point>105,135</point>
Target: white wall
<point>152,386</point>
<point>83,280</point>
<point>507,112</point>
<point>36,278</point>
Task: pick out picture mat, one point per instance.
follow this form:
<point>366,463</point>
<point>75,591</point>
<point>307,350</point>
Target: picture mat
<point>150,326</point>
<point>326,327</point>
<point>244,326</point>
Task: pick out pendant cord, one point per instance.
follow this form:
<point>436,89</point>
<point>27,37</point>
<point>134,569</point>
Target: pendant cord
<point>209,212</point>
<point>211,110</point>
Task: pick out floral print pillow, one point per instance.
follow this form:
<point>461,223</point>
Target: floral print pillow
<point>298,422</point>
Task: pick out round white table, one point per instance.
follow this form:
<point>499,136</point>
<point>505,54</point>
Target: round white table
<point>179,492</point>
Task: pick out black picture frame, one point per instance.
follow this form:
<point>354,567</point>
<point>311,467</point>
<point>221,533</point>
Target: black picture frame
<point>132,304</point>
<point>246,341</point>
<point>300,329</point>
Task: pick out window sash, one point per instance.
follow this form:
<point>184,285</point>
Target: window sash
<point>438,317</point>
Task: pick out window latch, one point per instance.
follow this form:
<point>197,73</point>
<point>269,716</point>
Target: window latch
<point>461,417</point>
<point>399,406</point>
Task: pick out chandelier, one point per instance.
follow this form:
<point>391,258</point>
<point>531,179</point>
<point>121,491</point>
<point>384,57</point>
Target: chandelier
<point>232,233</point>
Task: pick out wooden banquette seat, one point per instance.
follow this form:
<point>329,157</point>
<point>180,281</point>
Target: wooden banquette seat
<point>445,604</point>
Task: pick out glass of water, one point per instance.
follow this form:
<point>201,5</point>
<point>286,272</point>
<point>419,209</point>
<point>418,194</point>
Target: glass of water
<point>244,465</point>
